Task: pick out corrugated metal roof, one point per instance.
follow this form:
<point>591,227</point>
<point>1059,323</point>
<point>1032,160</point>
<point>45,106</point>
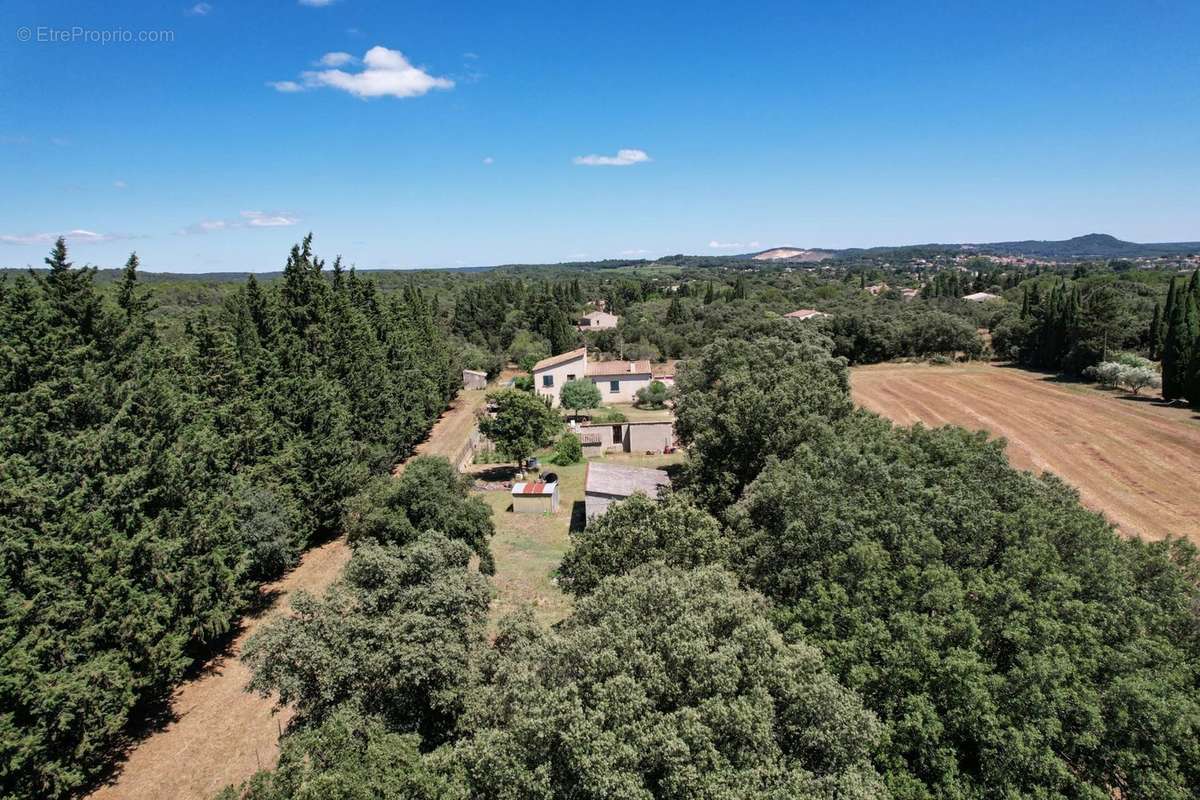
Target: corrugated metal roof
<point>534,487</point>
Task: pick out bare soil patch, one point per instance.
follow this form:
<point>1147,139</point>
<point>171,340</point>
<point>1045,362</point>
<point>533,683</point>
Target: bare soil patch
<point>1133,459</point>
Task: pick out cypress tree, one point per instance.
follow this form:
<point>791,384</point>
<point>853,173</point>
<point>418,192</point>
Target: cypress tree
<point>1156,333</point>
<point>1177,346</point>
<point>710,295</point>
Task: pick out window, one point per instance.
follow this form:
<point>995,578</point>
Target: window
<point>618,438</point>
<point>614,386</point>
<point>570,377</point>
<point>548,381</point>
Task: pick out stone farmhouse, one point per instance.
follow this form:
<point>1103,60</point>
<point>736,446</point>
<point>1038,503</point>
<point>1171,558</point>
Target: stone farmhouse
<point>598,321</point>
<point>618,381</point>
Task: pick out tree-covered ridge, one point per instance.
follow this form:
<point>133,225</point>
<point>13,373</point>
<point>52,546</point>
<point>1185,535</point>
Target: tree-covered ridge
<point>148,485</point>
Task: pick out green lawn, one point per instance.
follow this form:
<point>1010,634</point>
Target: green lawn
<point>529,547</point>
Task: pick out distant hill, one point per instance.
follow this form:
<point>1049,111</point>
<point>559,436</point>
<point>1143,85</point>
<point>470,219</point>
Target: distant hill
<point>1093,245</point>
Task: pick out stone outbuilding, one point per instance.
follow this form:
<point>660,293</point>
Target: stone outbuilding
<point>649,436</point>
<point>474,379</point>
<point>606,484</point>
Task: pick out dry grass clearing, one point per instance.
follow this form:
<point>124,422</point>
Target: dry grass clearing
<point>529,547</point>
<point>220,734</point>
<point>1135,460</point>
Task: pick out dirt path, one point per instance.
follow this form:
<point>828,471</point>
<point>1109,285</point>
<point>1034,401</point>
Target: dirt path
<point>221,733</point>
<point>1136,461</point>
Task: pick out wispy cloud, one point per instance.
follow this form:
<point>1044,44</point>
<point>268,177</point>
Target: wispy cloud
<point>715,245</point>
<point>385,73</point>
<point>316,3</point>
<point>76,236</point>
<point>258,219</point>
<point>637,251</point>
<point>336,59</point>
<point>60,141</point>
<point>118,184</point>
<point>625,157</point>
<point>489,160</point>
<point>200,10</point>
<point>15,139</point>
<point>246,219</point>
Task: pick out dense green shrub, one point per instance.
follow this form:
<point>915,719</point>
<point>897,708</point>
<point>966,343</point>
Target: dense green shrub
<point>567,450</point>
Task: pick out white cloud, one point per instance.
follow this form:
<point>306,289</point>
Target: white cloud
<point>336,59</point>
<point>246,219</point>
<point>489,160</point>
<point>316,3</point>
<point>385,73</point>
<point>635,252</point>
<point>200,10</point>
<point>76,236</point>
<point>625,157</point>
<point>257,219</point>
<point>715,245</point>
<point>120,185</point>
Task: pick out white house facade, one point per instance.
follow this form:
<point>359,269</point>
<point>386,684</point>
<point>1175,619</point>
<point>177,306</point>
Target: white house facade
<point>618,381</point>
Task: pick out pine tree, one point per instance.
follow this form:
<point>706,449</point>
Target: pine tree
<point>134,303</point>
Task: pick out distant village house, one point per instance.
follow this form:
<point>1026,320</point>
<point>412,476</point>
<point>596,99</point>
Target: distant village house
<point>598,321</point>
<point>805,313</point>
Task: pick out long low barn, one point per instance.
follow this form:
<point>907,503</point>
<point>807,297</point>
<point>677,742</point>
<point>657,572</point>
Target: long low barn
<point>606,484</point>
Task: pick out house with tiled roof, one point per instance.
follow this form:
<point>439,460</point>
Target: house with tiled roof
<point>618,381</point>
<point>598,321</point>
<point>805,313</point>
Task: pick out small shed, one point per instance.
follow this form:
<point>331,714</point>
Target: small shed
<point>606,484</point>
<point>474,379</point>
<point>535,497</point>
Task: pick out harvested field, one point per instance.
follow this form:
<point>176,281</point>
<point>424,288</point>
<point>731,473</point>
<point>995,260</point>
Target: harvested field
<point>221,734</point>
<point>1135,460</point>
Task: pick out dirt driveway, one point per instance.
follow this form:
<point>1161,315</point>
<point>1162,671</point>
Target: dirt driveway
<point>1135,460</point>
<point>221,734</point>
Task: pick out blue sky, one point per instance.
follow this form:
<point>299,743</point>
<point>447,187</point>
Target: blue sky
<point>449,133</point>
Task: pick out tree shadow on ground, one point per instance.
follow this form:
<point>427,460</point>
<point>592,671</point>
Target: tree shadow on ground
<point>499,472</point>
<point>578,517</point>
